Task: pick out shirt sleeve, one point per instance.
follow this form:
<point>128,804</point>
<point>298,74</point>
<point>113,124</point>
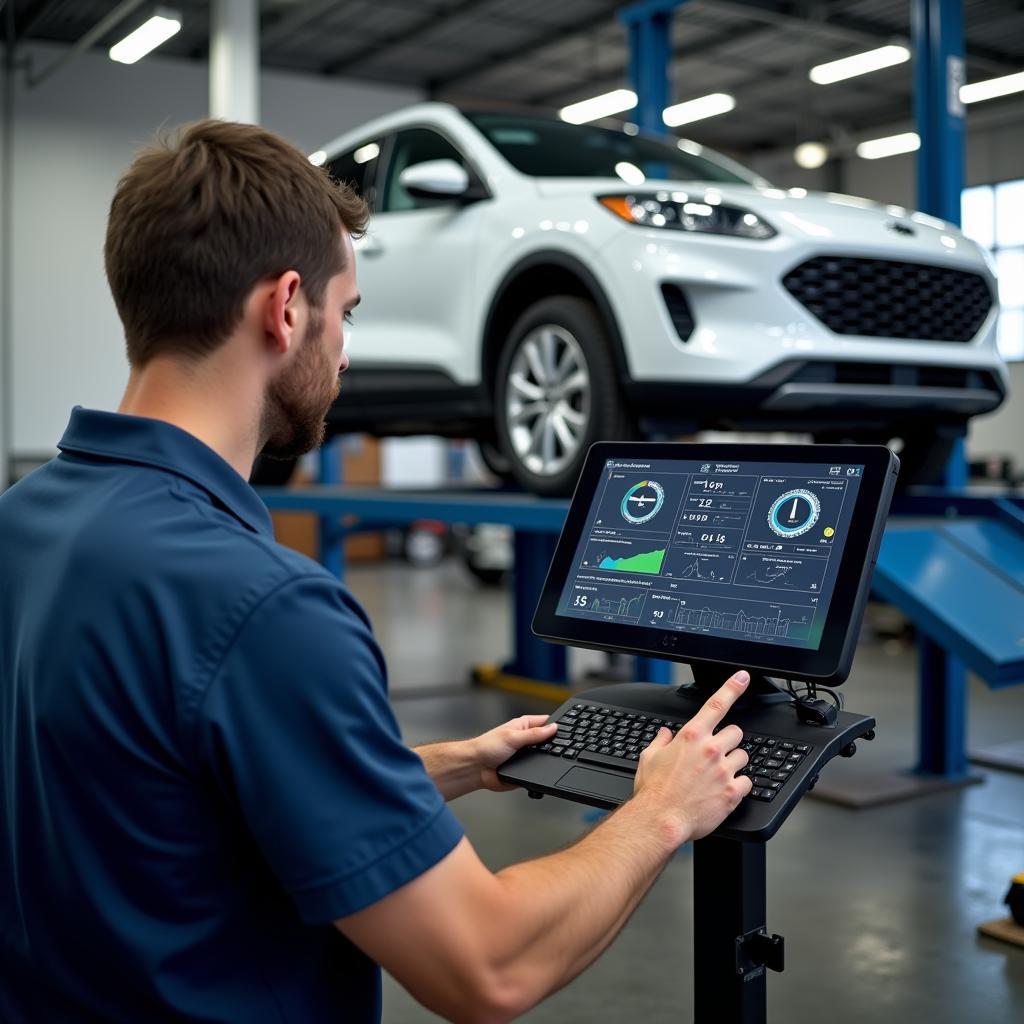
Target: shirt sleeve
<point>296,731</point>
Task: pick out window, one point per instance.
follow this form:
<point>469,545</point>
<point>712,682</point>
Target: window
<point>411,147</point>
<point>547,148</point>
<point>358,168</point>
<point>993,215</point>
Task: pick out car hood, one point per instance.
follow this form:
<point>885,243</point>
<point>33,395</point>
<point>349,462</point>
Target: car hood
<point>799,213</point>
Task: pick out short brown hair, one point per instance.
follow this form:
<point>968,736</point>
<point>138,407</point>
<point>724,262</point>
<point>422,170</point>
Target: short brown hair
<point>201,218</point>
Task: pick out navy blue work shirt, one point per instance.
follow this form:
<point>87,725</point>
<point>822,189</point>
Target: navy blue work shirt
<point>199,769</point>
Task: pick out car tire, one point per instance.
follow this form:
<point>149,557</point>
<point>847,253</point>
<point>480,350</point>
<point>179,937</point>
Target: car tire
<point>556,393</point>
<point>494,459</point>
<point>923,454</point>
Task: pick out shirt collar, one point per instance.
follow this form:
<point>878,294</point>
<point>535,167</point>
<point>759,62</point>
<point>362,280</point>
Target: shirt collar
<point>152,442</point>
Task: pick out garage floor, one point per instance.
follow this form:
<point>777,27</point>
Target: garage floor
<point>878,907</point>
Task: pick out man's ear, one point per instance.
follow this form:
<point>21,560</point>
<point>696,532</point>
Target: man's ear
<point>281,311</point>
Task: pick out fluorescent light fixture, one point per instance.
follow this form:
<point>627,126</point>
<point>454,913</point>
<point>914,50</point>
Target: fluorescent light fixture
<point>696,110</point>
<point>810,155</point>
<point>891,145</point>
<point>146,37</point>
<point>596,107</point>
<point>364,154</point>
<point>989,90</point>
<point>858,64</point>
<point>318,159</point>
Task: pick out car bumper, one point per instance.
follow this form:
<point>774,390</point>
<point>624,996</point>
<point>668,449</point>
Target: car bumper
<point>752,347</point>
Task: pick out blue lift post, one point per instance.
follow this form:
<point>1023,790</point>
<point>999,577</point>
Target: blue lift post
<point>938,40</point>
<point>649,24</point>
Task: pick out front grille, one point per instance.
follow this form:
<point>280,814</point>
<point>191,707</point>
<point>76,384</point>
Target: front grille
<point>889,299</point>
<point>678,310</point>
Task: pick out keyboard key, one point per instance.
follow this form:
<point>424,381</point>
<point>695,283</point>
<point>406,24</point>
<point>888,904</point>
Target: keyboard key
<point>757,739</point>
<point>771,762</point>
<point>802,748</point>
<point>787,746</point>
<point>781,776</point>
<point>571,752</point>
<point>605,759</point>
<point>767,795</point>
<point>545,747</point>
<point>761,781</point>
<point>758,794</point>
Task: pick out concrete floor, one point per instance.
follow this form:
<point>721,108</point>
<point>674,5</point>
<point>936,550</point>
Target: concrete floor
<point>879,907</point>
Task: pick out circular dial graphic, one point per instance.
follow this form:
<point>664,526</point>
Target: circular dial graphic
<point>642,502</point>
<point>794,513</point>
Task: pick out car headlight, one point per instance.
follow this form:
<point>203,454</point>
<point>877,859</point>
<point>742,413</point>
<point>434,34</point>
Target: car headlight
<point>677,211</point>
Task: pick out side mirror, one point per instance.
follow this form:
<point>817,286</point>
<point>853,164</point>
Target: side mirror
<point>438,180</point>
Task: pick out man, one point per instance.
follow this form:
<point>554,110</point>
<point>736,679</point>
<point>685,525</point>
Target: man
<point>207,810</point>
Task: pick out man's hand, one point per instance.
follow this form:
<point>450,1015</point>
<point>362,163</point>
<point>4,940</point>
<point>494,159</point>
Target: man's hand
<point>497,746</point>
<point>459,767</point>
<point>692,775</point>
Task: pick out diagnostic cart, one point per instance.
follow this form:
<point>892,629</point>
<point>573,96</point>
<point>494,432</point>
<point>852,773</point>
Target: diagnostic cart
<point>722,557</point>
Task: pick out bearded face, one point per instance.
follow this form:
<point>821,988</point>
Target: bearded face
<point>296,402</point>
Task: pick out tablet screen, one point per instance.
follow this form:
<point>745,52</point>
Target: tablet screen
<point>739,550</point>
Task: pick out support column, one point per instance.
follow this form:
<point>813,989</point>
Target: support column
<point>938,40</point>
<point>649,25</point>
<point>235,60</point>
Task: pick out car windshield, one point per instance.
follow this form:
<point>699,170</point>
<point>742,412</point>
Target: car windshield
<point>544,148</point>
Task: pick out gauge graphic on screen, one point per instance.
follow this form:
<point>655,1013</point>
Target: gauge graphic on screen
<point>794,513</point>
<point>642,502</point>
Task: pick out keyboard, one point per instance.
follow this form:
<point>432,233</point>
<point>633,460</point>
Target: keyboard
<point>615,738</point>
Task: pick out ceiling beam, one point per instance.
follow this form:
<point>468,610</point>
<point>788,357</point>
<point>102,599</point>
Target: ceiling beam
<point>433,17</point>
<point>850,28</point>
<point>608,77</point>
<point>524,50</point>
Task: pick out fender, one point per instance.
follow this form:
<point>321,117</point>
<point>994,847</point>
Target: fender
<point>587,287</point>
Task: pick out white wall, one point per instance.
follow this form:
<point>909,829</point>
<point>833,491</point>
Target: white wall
<point>74,136</point>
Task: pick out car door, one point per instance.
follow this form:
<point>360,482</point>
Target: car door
<point>416,270</point>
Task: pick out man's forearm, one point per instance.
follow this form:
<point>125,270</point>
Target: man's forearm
<point>572,904</point>
<point>454,766</point>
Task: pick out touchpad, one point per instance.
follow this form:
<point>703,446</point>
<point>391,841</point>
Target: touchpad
<point>608,785</point>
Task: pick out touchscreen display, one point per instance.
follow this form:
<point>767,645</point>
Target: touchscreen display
<point>737,550</point>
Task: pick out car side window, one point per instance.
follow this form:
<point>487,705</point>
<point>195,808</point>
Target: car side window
<point>358,168</point>
<point>411,147</point>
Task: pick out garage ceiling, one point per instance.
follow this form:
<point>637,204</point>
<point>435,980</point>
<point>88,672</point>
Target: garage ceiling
<point>536,53</point>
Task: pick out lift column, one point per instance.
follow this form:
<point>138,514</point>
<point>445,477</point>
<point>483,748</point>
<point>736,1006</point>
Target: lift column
<point>938,40</point>
<point>649,24</point>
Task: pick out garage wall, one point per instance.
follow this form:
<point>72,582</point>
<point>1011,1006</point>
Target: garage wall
<point>74,136</point>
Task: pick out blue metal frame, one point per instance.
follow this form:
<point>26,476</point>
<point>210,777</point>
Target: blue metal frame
<point>938,37</point>
<point>649,25</point>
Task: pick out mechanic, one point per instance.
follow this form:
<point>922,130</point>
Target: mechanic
<point>208,812</point>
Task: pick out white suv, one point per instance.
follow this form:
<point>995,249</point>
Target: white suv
<point>539,285</point>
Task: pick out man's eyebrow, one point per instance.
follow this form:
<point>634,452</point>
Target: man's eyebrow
<point>352,305</point>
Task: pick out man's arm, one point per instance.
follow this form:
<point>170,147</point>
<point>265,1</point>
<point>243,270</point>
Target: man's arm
<point>482,948</point>
<point>458,767</point>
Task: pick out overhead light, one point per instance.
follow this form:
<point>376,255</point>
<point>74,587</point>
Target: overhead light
<point>146,37</point>
<point>318,159</point>
<point>858,64</point>
<point>696,110</point>
<point>605,105</point>
<point>891,145</point>
<point>978,91</point>
<point>364,154</point>
<point>810,155</point>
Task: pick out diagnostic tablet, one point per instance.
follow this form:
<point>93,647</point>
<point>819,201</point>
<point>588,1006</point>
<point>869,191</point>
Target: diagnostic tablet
<point>757,556</point>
